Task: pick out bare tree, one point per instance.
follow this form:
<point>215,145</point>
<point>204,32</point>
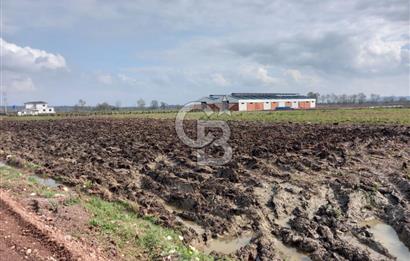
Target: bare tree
<point>81,103</point>
<point>154,104</point>
<point>105,106</point>
<point>361,98</point>
<point>352,98</point>
<point>163,105</point>
<point>314,95</point>
<point>141,103</point>
<point>374,97</point>
<point>388,99</point>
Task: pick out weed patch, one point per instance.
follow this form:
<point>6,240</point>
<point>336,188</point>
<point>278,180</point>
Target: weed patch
<point>127,229</point>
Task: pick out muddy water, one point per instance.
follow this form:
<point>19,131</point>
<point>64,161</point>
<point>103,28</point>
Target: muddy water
<point>388,237</point>
<point>228,245</point>
<point>289,253</point>
<point>224,245</point>
<point>46,181</point>
<point>189,224</point>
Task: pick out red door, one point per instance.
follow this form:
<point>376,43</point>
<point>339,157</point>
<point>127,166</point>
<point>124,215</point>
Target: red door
<point>304,105</point>
<point>250,106</point>
<point>259,106</point>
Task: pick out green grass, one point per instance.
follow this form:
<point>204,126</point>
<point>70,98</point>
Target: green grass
<point>45,192</point>
<point>72,200</point>
<point>117,222</point>
<point>323,116</point>
<point>9,174</point>
<point>342,116</point>
<point>32,166</point>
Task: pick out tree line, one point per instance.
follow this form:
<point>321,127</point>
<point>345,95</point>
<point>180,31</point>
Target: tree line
<point>354,98</point>
<point>81,105</point>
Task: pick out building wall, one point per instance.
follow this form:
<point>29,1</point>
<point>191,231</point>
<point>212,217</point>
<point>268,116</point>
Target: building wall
<point>41,107</point>
<point>268,104</point>
<point>35,109</point>
<point>30,106</point>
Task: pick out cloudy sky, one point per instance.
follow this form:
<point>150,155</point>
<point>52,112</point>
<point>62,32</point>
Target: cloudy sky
<point>180,50</point>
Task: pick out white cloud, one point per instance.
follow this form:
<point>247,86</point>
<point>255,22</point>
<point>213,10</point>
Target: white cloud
<point>294,74</point>
<point>379,55</point>
<point>299,77</point>
<point>263,75</point>
<point>126,79</point>
<point>219,79</point>
<point>295,46</point>
<point>17,58</point>
<point>21,84</point>
<point>104,78</point>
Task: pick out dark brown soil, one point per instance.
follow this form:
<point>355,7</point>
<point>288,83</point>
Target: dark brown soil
<point>324,179</point>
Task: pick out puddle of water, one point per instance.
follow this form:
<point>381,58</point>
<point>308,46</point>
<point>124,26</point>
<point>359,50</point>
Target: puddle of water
<point>388,237</point>
<point>228,245</point>
<point>190,224</point>
<point>46,181</point>
<point>172,208</point>
<point>290,253</point>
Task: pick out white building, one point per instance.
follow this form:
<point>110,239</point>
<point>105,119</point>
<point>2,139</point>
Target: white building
<point>259,101</point>
<point>36,108</point>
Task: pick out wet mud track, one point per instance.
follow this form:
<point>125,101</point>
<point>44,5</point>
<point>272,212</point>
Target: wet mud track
<point>291,191</point>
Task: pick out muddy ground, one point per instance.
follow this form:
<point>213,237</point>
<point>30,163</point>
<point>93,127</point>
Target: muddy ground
<point>25,235</point>
<point>310,188</point>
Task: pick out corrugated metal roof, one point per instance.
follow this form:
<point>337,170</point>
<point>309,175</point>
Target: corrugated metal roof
<point>246,96</point>
<point>218,99</point>
<point>235,97</point>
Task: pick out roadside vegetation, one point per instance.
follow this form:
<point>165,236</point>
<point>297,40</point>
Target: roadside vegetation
<point>321,116</point>
<point>114,223</point>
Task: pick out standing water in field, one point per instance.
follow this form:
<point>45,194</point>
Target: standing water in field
<point>228,245</point>
<point>46,181</point>
<point>388,237</point>
<point>290,253</point>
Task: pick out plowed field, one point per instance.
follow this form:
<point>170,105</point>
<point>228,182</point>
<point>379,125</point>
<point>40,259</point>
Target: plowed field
<point>312,188</point>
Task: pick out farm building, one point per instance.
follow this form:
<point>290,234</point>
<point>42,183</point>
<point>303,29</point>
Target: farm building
<point>36,108</point>
<point>258,102</point>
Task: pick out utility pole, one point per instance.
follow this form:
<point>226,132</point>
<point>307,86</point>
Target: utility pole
<point>1,55</point>
<point>1,95</point>
<point>5,102</point>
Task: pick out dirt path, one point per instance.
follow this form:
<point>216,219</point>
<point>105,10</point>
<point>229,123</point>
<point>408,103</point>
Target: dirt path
<point>18,241</point>
<point>24,237</point>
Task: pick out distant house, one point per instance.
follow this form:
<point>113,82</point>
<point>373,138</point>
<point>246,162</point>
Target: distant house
<point>36,108</point>
<point>258,102</point>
